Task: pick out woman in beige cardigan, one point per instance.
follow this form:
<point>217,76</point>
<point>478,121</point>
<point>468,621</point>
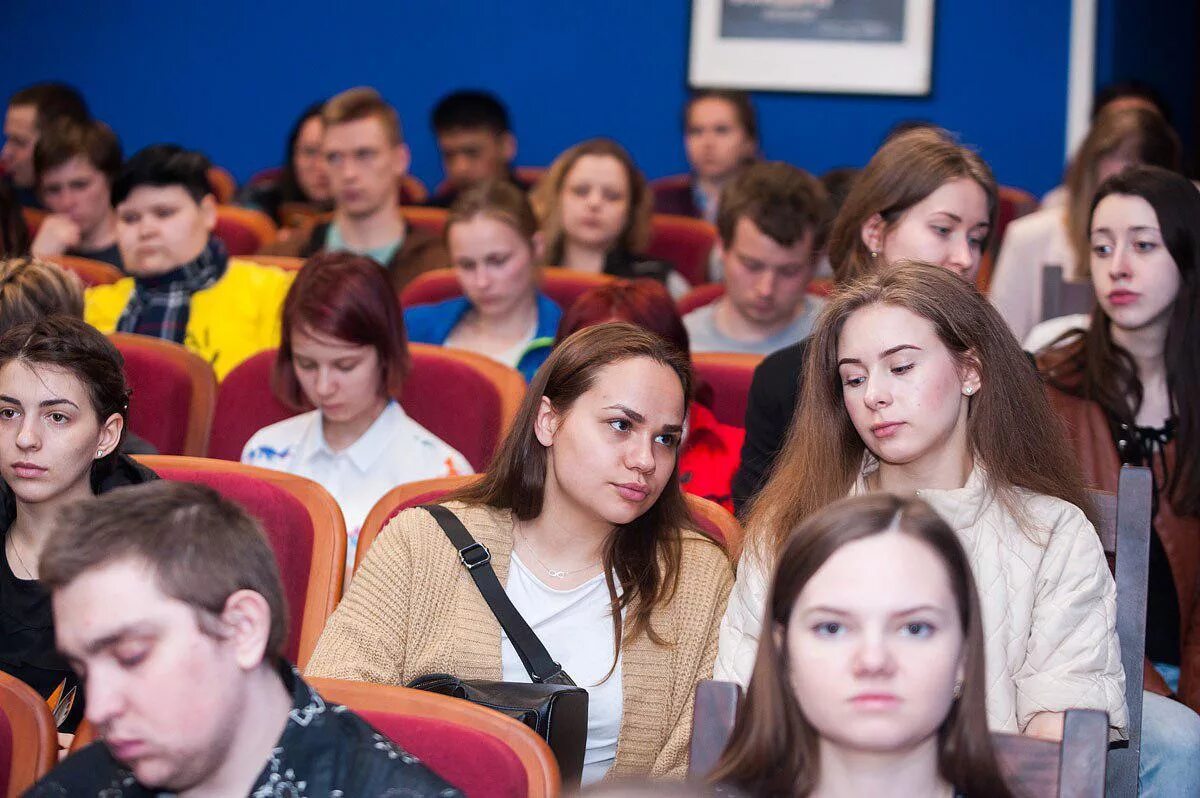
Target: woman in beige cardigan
<point>913,385</point>
<point>589,533</point>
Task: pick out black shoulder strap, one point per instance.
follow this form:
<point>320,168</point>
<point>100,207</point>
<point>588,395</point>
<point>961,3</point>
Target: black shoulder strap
<point>477,559</point>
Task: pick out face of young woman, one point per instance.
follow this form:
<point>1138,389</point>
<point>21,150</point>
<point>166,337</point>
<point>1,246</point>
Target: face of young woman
<point>1135,277</point>
<point>612,452</point>
<point>905,394</point>
<point>339,378</point>
<point>595,201</point>
<point>715,140</point>
<point>312,174</point>
<point>875,646</point>
<point>494,265</point>
<point>49,432</point>
<point>947,229</point>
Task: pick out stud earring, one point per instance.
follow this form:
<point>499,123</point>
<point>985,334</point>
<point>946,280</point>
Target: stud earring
<point>968,390</point>
<point>874,254</point>
<point>99,453</point>
<point>957,690</point>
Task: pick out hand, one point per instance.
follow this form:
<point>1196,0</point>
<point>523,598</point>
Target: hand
<point>1046,726</point>
<point>56,235</point>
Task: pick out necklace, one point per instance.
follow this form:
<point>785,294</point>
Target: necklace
<point>13,544</point>
<point>555,573</point>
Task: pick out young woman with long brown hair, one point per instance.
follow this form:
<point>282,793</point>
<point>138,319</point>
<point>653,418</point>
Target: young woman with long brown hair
<point>872,678</point>
<point>588,530</point>
<point>914,385</point>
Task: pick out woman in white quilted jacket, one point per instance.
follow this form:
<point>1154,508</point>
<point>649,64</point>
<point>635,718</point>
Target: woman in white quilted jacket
<point>914,385</point>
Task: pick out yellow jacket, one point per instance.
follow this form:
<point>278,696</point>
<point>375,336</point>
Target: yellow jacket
<point>236,317</point>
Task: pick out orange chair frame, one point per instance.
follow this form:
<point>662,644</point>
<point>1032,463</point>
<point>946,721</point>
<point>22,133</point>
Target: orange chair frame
<point>34,736</point>
<point>412,188</point>
<point>328,557</point>
<point>91,272</point>
<point>256,221</point>
<point>201,376</point>
<point>286,262</point>
<point>432,219</point>
<point>548,278</point>
<point>33,219</point>
<point>541,769</point>
<point>223,186</point>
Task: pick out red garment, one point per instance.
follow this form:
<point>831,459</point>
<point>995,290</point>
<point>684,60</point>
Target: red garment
<point>709,457</point>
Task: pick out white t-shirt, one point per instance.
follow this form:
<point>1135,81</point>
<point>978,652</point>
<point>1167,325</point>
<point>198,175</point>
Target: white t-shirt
<point>576,628</point>
<point>394,450</point>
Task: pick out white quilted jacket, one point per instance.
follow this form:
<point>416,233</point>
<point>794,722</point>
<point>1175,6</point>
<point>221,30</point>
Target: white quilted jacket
<point>1049,607</point>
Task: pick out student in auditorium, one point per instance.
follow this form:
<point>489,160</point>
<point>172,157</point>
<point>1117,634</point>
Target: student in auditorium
<point>63,412</point>
<point>872,680</point>
<point>720,138</point>
<point>476,143</point>
<point>182,285</point>
<point>364,150</point>
<point>588,531</point>
<point>772,224</point>
<point>169,601</point>
<point>303,184</point>
<point>343,358</point>
<point>923,196</point>
<point>495,248</point>
<point>595,212</point>
<point>708,451</point>
<point>1126,389</point>
<point>31,112</point>
<point>913,386</point>
<point>1119,137</point>
<point>75,165</point>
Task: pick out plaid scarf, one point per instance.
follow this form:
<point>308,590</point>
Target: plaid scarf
<point>160,305</point>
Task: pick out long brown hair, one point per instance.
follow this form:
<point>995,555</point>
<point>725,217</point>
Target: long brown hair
<point>905,170</point>
<point>645,553</point>
<point>546,198</point>
<point>1094,367</point>
<point>774,749</point>
<point>1011,427</point>
<point>1141,132</point>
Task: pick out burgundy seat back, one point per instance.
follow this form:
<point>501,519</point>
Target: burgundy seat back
<point>238,239</point>
<point>685,242</point>
<point>700,296</point>
<point>171,404</point>
<point>245,404</point>
<point>729,377</point>
<point>478,764</point>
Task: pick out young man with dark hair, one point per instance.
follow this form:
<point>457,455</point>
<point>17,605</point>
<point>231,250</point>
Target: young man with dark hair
<point>363,145</point>
<point>476,141</point>
<point>183,287</point>
<point>168,603</point>
<point>771,224</point>
<point>75,165</point>
<point>31,111</point>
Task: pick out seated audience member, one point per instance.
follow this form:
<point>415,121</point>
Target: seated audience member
<point>76,164</point>
<point>14,233</point>
<point>366,156</point>
<point>1125,388</point>
<point>32,111</point>
<point>873,679</point>
<point>63,407</point>
<point>1058,236</point>
<point>494,248</point>
<point>595,211</point>
<point>304,181</point>
<point>183,287</point>
<point>476,142</point>
<point>709,449</point>
<point>720,137</point>
<point>771,225</point>
<point>343,357</point>
<point>168,600</point>
<point>922,197</point>
<point>911,386</point>
<point>588,531</point>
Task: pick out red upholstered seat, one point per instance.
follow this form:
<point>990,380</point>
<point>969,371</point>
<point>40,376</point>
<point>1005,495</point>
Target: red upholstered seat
<point>700,296</point>
<point>1013,203</point>
<point>562,285</point>
<point>466,400</point>
<point>303,524</point>
<point>685,242</point>
<point>90,272</point>
<point>28,743</point>
<point>243,230</point>
<point>729,375</point>
<point>427,220</point>
<point>173,393</point>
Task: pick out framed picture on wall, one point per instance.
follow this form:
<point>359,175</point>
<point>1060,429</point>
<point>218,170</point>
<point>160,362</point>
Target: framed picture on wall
<point>829,46</point>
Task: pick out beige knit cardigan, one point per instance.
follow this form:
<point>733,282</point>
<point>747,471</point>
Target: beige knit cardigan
<point>412,610</point>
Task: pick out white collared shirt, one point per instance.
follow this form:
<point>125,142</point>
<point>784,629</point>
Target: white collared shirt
<point>394,450</point>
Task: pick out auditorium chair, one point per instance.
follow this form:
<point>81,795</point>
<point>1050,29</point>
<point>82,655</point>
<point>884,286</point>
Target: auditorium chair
<point>482,752</point>
<point>705,294</point>
<point>685,242</point>
<point>303,525</point>
<point>286,262</point>
<point>1012,203</point>
<point>33,219</point>
<point>1061,297</point>
<point>427,220</point>
<point>563,286</point>
<point>28,738</point>
<point>728,374</point>
<point>173,393</point>
<point>465,399</point>
<point>90,272</point>
<point>413,191</point>
<point>244,231</point>
<point>223,186</point>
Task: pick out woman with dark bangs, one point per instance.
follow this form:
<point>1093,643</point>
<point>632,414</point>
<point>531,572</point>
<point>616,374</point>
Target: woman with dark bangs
<point>304,181</point>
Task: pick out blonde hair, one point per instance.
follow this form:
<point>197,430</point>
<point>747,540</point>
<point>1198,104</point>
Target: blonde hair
<point>31,289</point>
<point>363,102</point>
<point>547,194</point>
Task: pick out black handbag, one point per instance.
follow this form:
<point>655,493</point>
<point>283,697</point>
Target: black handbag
<point>553,706</point>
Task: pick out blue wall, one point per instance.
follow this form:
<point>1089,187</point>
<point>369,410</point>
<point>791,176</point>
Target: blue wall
<point>229,77</point>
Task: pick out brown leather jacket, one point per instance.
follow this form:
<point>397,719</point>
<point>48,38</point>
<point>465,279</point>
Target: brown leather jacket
<point>1089,432</point>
